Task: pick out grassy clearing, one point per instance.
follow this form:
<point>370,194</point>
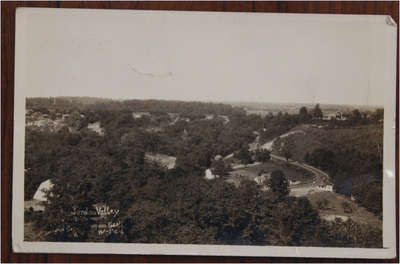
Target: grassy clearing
<point>31,233</point>
<point>334,205</point>
<point>292,173</point>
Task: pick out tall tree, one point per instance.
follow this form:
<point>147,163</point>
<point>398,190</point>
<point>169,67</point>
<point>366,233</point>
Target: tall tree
<point>262,155</point>
<point>295,221</point>
<point>317,112</point>
<point>244,155</point>
<point>287,147</point>
<point>219,167</point>
<point>278,184</point>
<point>303,114</point>
<point>355,116</point>
<point>64,218</point>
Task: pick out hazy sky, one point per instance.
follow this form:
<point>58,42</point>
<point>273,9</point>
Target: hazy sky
<point>202,56</point>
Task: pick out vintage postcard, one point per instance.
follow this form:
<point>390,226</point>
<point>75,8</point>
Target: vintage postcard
<point>204,133</point>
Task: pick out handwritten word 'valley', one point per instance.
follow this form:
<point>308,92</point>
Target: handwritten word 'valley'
<point>105,210</point>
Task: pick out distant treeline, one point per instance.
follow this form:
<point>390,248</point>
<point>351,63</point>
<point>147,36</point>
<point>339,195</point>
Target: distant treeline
<point>153,106</point>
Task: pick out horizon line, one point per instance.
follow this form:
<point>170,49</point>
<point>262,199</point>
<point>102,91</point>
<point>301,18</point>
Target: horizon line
<point>209,101</point>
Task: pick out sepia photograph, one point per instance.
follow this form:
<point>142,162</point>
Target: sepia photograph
<point>269,134</point>
<point>160,171</point>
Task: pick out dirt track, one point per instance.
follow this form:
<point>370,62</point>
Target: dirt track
<point>320,178</point>
<point>313,191</point>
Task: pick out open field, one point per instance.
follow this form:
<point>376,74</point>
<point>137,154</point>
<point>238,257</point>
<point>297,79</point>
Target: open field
<point>31,233</point>
<point>292,173</point>
<point>334,207</point>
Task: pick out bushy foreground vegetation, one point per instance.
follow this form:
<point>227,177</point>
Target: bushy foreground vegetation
<point>160,206</point>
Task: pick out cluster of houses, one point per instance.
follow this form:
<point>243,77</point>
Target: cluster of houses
<point>44,122</point>
<point>58,121</point>
<point>336,116</point>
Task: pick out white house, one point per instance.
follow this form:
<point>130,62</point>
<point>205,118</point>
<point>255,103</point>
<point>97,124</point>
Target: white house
<point>218,157</point>
<point>136,115</point>
<point>209,117</point>
<point>44,187</point>
<point>96,127</point>
<point>209,175</point>
<point>260,179</point>
<point>327,188</point>
<point>294,182</point>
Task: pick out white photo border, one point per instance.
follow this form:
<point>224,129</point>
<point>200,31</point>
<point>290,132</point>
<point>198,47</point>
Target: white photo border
<point>389,177</point>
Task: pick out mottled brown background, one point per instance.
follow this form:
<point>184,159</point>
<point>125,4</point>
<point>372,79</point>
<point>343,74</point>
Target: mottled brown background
<point>7,100</point>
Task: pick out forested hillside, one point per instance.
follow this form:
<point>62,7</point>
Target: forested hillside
<point>95,153</point>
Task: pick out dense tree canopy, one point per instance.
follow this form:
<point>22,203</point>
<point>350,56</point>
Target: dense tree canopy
<point>278,184</point>
<point>160,205</point>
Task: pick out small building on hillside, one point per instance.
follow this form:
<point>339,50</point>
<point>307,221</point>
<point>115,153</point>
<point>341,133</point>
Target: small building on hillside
<point>41,192</point>
<point>209,175</point>
<point>327,188</point>
<point>209,117</point>
<point>335,116</point>
<point>340,116</point>
<point>137,115</point>
<point>262,178</point>
<point>40,196</point>
<point>218,157</point>
<point>294,182</point>
<point>96,127</point>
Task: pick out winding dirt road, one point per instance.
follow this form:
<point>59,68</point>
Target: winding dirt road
<point>319,180</point>
<point>320,177</point>
<point>319,189</point>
